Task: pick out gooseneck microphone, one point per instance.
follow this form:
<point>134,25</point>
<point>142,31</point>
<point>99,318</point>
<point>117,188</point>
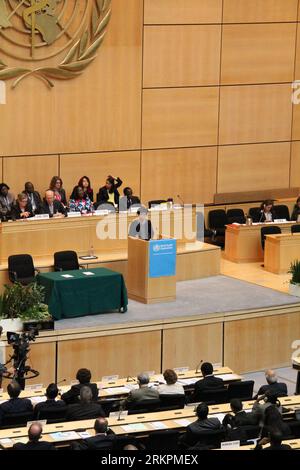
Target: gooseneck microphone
<point>199,365</point>
<point>180,199</point>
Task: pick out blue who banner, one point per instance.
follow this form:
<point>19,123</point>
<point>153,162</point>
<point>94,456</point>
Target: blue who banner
<point>162,258</point>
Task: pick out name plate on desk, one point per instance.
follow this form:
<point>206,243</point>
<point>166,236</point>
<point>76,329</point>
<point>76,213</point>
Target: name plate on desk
<point>41,217</point>
<point>230,445</point>
<point>280,221</point>
<point>74,214</point>
<point>33,388</point>
<point>101,212</point>
<point>109,378</point>
<point>181,370</point>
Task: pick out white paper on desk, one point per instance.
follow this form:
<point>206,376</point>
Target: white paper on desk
<point>188,381</point>
<point>6,442</point>
<point>36,400</point>
<point>228,376</point>
<point>132,386</point>
<point>67,276</point>
<point>2,401</point>
<point>88,273</point>
<point>158,425</point>
<point>64,436</point>
<point>135,427</point>
<point>23,440</point>
<point>113,390</point>
<point>219,416</point>
<point>84,435</point>
<point>182,422</point>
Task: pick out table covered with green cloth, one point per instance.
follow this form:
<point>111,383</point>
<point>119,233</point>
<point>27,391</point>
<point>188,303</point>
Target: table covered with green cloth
<point>83,294</point>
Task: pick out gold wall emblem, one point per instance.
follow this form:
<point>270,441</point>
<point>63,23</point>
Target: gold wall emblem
<point>33,31</point>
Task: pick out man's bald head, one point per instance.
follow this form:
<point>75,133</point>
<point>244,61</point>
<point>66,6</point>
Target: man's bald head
<point>101,426</point>
<point>35,432</point>
<point>271,376</point>
<point>49,196</point>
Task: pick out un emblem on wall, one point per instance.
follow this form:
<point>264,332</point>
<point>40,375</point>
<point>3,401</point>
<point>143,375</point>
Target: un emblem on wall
<point>33,31</point>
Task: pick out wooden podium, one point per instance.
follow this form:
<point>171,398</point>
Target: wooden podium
<point>140,285</point>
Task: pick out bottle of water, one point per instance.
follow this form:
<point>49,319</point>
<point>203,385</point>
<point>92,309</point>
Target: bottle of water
<point>91,252</point>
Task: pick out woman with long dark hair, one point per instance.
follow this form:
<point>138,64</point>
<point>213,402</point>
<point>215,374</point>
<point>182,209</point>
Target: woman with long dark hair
<point>109,193</point>
<point>56,185</point>
<point>80,202</point>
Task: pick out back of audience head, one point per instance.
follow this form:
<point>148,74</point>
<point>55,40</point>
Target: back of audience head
<point>52,391</point>
<point>35,432</point>
<point>130,447</point>
<point>276,438</point>
<point>272,417</point>
<point>13,389</point>
<point>143,378</point>
<point>101,426</point>
<point>207,368</point>
<point>86,395</point>
<point>83,376</point>
<point>271,376</point>
<point>170,376</point>
<point>236,405</point>
<point>202,411</point>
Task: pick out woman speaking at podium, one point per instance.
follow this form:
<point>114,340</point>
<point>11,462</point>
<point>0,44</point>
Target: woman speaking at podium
<point>141,227</point>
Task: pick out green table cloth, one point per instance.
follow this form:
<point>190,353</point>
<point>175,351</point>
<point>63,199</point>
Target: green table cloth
<point>82,294</point>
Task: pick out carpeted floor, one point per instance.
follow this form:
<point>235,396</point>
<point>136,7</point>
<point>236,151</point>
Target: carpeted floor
<point>218,294</point>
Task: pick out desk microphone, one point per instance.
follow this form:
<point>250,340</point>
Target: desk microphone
<point>130,379</point>
<point>180,199</point>
<point>121,408</point>
<point>197,368</point>
<point>61,381</point>
<point>261,214</point>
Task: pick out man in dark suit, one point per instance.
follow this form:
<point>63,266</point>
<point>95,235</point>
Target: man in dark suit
<point>241,417</point>
<point>50,403</point>
<point>208,383</point>
<point>33,197</point>
<point>34,443</point>
<point>131,199</point>
<point>200,427</point>
<point>275,443</point>
<point>84,378</point>
<point>277,388</point>
<point>14,404</point>
<point>86,408</point>
<point>51,206</point>
<point>102,439</point>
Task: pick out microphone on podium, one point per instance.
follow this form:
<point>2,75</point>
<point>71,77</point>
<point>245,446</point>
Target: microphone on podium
<point>180,199</point>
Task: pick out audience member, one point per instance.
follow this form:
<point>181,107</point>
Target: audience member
<point>275,443</point>
<point>144,392</point>
<point>201,426</point>
<point>33,197</point>
<point>51,402</point>
<point>51,206</point>
<point>14,404</point>
<point>296,211</point>
<point>56,185</point>
<point>275,387</point>
<point>266,213</point>
<point>34,442</point>
<point>7,200</point>
<point>262,403</point>
<point>273,422</point>
<point>109,193</point>
<point>171,387</point>
<point>86,408</point>
<point>208,383</point>
<point>241,417</point>
<point>80,201</point>
<point>21,209</point>
<point>100,441</point>
<point>84,378</point>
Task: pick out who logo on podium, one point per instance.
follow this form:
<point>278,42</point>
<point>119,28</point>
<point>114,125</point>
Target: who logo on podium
<point>162,258</point>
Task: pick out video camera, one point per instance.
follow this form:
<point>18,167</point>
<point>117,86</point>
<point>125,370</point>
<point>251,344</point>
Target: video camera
<point>20,343</point>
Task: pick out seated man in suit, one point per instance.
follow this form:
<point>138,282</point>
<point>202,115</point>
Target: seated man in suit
<point>84,378</point>
<point>86,408</point>
<point>241,417</point>
<point>51,402</point>
<point>131,199</point>
<point>52,206</point>
<point>208,383</point>
<point>34,443</point>
<point>277,388</point>
<point>141,227</point>
<point>33,197</point>
<point>275,443</point>
<point>103,440</point>
<point>201,426</point>
<point>144,392</point>
<point>14,404</point>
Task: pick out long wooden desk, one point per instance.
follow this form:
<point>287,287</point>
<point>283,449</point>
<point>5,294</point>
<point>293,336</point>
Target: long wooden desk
<point>131,424</point>
<point>280,251</point>
<point>243,242</point>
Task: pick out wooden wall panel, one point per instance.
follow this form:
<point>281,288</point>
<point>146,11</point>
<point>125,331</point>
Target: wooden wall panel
<point>295,165</point>
<point>126,354</point>
<point>204,342</point>
<point>183,11</point>
<point>252,167</point>
<point>259,11</point>
<point>181,55</point>
<point>97,167</point>
<point>1,162</point>
<point>38,170</point>
<point>190,164</point>
<point>100,110</point>
<point>180,117</point>
<point>259,113</point>
<point>263,342</point>
<point>252,53</point>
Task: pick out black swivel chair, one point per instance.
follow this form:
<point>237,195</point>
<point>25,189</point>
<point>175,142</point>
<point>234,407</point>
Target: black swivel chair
<point>295,228</point>
<point>21,269</point>
<point>271,230</point>
<point>146,406</point>
<point>255,213</point>
<point>66,261</point>
<point>53,415</point>
<point>162,440</point>
<point>172,402</point>
<point>282,212</point>
<point>217,219</point>
<point>16,419</point>
<point>214,396</point>
<point>235,215</point>
<point>242,390</point>
<point>156,202</point>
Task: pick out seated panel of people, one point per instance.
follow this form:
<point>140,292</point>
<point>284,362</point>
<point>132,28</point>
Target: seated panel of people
<point>56,184</point>
<point>275,387</point>
<point>86,408</point>
<point>52,206</point>
<point>14,404</point>
<point>22,208</point>
<point>34,440</point>
<point>109,193</point>
<point>80,202</point>
<point>208,383</point>
<point>7,200</point>
<point>51,402</point>
<point>84,378</point>
<point>171,387</point>
<point>33,197</point>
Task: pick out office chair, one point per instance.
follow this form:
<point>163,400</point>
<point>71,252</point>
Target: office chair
<point>65,261</point>
<point>21,269</point>
<point>235,215</point>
